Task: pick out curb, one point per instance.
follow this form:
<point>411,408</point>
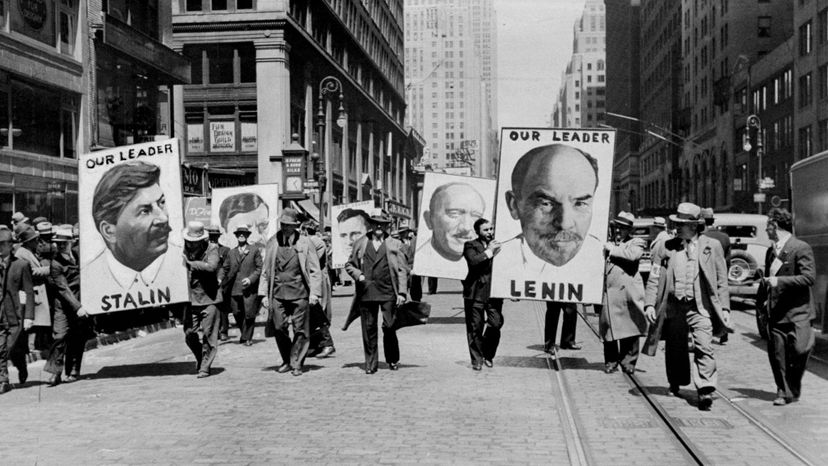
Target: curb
<point>104,339</point>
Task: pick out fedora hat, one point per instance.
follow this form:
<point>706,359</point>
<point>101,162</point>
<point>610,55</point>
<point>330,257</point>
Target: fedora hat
<point>62,234</point>
<point>213,230</point>
<point>624,219</point>
<point>687,212</point>
<point>289,217</point>
<point>26,234</point>
<point>660,222</point>
<point>18,217</point>
<point>379,216</point>
<point>44,228</point>
<point>194,232</point>
<point>706,213</point>
<point>242,229</point>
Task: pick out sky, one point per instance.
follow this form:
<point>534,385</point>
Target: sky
<point>534,44</point>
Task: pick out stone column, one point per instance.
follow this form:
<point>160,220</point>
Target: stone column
<point>371,160</point>
<point>346,162</point>
<point>381,184</point>
<point>358,159</point>
<point>273,105</point>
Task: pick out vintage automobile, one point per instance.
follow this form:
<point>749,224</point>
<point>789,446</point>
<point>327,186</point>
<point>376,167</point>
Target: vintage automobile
<point>643,228</point>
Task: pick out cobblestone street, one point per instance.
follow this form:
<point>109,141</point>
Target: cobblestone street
<point>139,402</point>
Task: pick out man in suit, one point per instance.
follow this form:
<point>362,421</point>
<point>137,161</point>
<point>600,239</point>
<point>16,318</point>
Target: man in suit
<point>568,328</point>
<point>239,280</point>
<point>622,319</point>
<point>16,314</point>
<point>379,268</point>
<point>720,236</point>
<point>321,341</point>
<point>291,282</point>
<point>224,306</point>
<point>785,295</point>
<point>69,321</point>
<point>479,307</point>
<point>691,293</point>
<point>201,324</point>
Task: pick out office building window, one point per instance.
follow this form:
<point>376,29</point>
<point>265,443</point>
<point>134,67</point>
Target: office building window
<point>805,38</point>
<point>805,142</point>
<point>805,90</point>
<point>38,119</point>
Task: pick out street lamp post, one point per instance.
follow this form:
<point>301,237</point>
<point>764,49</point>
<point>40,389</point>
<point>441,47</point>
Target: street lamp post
<point>753,133</point>
<point>329,86</point>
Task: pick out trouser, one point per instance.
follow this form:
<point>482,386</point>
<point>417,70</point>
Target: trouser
<point>62,325</point>
<point>369,311</point>
<point>246,324</point>
<point>683,317</point>
<point>10,341</point>
<point>550,328</point>
<point>224,319</point>
<point>415,288</point>
<point>623,351</point>
<point>293,353</point>
<point>432,285</point>
<point>201,334</point>
<point>320,327</point>
<point>789,347</point>
<point>483,342</point>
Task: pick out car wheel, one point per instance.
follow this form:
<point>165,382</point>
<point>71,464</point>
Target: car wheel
<point>742,267</point>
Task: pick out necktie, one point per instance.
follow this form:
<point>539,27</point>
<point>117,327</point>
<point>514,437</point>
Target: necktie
<point>691,250</point>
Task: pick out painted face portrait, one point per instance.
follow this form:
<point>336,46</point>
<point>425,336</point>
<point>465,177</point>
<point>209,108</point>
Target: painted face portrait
<point>351,230</point>
<point>452,212</point>
<point>142,230</point>
<point>552,197</point>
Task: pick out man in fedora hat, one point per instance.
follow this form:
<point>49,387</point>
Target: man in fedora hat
<point>214,233</point>
<point>379,268</point>
<point>689,293</point>
<point>69,322</point>
<point>16,310</point>
<point>622,319</point>
<point>28,239</point>
<point>201,324</point>
<point>291,282</point>
<point>239,278</point>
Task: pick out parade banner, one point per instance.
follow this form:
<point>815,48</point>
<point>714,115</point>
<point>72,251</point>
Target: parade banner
<point>130,216</point>
<point>256,206</point>
<point>197,209</point>
<point>350,222</point>
<point>451,204</point>
<point>553,200</point>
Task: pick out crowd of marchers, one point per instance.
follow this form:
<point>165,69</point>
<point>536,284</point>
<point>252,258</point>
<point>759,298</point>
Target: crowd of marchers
<point>684,300</point>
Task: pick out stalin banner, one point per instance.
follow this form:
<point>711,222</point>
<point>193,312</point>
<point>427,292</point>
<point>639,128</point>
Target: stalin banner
<point>349,223</point>
<point>131,219</point>
<point>451,204</point>
<point>553,195</point>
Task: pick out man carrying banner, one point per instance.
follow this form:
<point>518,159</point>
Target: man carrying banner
<point>480,308</point>
<point>69,320</point>
<point>201,319</point>
<point>380,270</point>
<point>16,309</point>
<point>690,293</point>
<point>239,280</point>
<point>291,282</point>
<point>622,321</point>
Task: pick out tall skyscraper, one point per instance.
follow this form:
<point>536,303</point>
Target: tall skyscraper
<point>450,71</point>
<point>582,96</point>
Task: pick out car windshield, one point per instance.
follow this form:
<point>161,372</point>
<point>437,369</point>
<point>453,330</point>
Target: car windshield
<point>738,231</point>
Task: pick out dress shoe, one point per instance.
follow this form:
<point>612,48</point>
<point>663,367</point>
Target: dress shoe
<point>673,390</point>
<point>54,379</point>
<point>296,372</point>
<point>705,402</point>
<point>393,365</point>
<point>71,378</point>
<point>326,351</point>
<point>248,343</point>
<point>224,337</point>
<point>476,366</point>
<point>610,367</point>
<point>203,375</point>
<point>628,370</point>
<point>571,346</point>
<point>370,371</point>
<point>488,363</point>
<point>780,401</point>
<point>284,368</point>
<point>5,387</point>
<point>23,374</point>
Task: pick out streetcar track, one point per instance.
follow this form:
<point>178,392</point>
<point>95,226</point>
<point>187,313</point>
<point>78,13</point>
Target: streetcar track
<point>690,448</point>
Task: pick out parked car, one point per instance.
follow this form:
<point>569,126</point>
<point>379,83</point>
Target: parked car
<point>643,228</point>
<point>748,244</point>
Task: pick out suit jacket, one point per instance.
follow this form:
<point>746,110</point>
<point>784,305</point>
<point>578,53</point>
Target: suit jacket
<point>790,300</point>
<point>478,282</point>
<point>236,268</point>
<point>64,280</point>
<point>622,313</point>
<point>18,278</point>
<point>397,264</point>
<point>308,263</point>
<point>713,283</point>
<point>203,278</point>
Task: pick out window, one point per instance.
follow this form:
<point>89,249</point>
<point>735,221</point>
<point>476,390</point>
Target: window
<point>222,63</point>
<point>822,22</point>
<point>823,81</point>
<point>221,129</point>
<point>805,39</point>
<point>764,24</point>
<point>38,120</point>
<point>193,5</point>
<point>805,143</point>
<point>805,90</point>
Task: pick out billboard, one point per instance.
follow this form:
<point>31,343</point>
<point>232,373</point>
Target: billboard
<point>553,201</point>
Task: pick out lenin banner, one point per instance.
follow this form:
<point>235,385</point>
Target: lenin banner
<point>553,196</point>
<point>451,204</point>
<point>349,223</point>
<point>256,206</point>
<point>131,219</point>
